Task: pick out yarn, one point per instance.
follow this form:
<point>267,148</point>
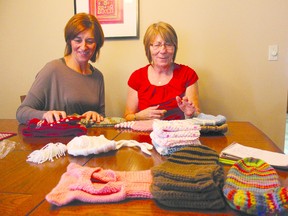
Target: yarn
<point>48,152</point>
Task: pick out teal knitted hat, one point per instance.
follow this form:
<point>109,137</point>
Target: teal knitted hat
<point>253,186</point>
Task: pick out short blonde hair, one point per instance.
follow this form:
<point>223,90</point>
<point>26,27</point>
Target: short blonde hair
<point>166,31</point>
<point>79,23</point>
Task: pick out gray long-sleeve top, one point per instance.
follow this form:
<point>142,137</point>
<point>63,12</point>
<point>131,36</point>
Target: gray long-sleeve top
<point>58,87</point>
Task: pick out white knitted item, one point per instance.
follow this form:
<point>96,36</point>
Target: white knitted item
<point>179,134</point>
<point>174,125</point>
<point>47,153</point>
<point>131,143</point>
<point>85,145</point>
<point>173,141</point>
<point>166,150</point>
<point>127,125</point>
<point>206,119</point>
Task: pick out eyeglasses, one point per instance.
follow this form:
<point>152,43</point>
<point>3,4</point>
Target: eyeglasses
<point>158,46</point>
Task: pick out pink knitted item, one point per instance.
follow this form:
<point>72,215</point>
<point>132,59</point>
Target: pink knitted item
<point>174,141</point>
<point>143,125</point>
<point>175,125</point>
<point>179,134</point>
<point>96,185</point>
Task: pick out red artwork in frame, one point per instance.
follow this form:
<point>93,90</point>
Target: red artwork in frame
<point>118,18</point>
<point>107,11</point>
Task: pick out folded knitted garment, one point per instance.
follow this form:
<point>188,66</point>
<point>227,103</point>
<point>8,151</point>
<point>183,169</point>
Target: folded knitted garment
<point>174,141</point>
<point>97,185</point>
<point>169,134</point>
<point>206,119</point>
<point>214,129</point>
<point>174,125</point>
<point>252,186</point>
<point>191,177</point>
<point>167,150</point>
<point>64,127</point>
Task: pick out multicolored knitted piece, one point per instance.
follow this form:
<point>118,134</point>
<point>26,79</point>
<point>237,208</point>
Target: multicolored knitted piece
<point>64,127</point>
<point>253,186</point>
<point>191,177</point>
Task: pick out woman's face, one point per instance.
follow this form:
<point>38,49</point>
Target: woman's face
<point>162,52</point>
<point>83,46</point>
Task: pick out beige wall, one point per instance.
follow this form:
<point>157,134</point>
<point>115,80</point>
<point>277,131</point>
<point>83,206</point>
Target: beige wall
<point>225,41</point>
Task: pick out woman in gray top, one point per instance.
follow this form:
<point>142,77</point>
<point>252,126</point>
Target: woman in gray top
<point>70,85</point>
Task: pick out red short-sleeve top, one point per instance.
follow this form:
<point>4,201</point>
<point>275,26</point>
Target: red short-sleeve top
<point>151,95</point>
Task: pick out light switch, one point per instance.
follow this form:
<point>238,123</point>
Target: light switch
<point>273,53</point>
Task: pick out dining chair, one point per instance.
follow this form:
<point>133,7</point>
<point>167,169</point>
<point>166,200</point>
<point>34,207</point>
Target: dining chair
<point>22,97</point>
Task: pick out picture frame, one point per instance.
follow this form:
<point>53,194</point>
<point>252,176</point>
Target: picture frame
<point>118,18</point>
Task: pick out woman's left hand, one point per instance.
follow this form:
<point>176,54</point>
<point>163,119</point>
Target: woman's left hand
<point>186,106</point>
<point>94,116</point>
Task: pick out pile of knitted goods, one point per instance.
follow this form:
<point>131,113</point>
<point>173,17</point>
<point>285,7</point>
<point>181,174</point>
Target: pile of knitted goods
<point>190,178</point>
<point>252,186</point>
<point>211,123</point>
<point>68,126</point>
<point>208,123</point>
<point>169,136</point>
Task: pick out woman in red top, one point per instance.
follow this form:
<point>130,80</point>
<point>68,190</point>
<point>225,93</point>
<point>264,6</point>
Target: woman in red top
<point>162,89</point>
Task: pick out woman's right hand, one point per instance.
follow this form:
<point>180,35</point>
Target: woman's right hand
<point>54,115</point>
<point>150,113</point>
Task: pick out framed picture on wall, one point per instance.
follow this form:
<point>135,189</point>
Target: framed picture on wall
<point>118,18</point>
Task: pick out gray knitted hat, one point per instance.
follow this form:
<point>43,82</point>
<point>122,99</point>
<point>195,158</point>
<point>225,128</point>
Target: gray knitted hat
<point>190,178</point>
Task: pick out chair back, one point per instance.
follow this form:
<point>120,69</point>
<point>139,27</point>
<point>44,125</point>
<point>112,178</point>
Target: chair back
<point>22,97</point>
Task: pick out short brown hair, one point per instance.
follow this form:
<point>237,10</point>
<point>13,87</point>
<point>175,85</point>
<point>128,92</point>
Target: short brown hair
<point>166,31</point>
<point>79,23</point>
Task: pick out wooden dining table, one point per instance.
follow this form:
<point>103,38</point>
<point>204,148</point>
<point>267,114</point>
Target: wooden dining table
<point>24,185</point>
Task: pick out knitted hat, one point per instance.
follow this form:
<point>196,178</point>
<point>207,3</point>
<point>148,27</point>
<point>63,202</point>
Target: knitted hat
<point>64,127</point>
<point>206,119</point>
<point>253,186</point>
<point>190,178</point>
<point>214,129</point>
<point>96,185</point>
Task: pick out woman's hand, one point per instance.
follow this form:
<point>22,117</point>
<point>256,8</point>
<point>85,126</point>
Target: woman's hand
<point>54,115</point>
<point>150,113</point>
<point>186,106</point>
<point>94,116</point>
